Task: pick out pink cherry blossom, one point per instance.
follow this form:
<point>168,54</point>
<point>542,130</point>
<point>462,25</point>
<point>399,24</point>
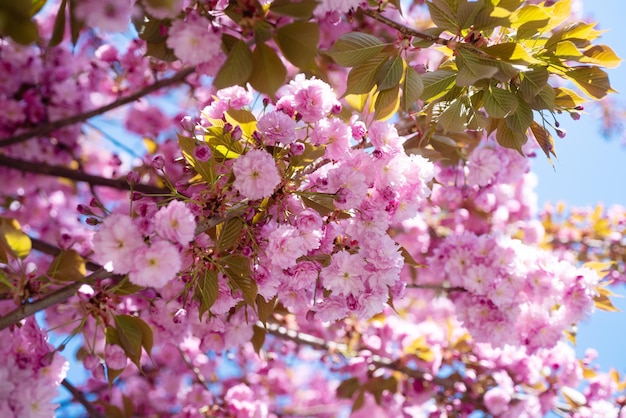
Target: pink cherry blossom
<point>193,40</point>
<point>256,175</point>
<point>116,243</point>
<point>175,222</point>
<point>156,265</point>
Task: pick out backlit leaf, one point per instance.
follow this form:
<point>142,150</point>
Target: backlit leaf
<point>187,145</point>
<point>472,68</point>
<point>442,15</point>
<point>533,81</point>
<point>390,73</point>
<point>511,52</point>
<point>499,103</point>
<point>579,33</point>
<point>544,139</point>
<point>437,84</point>
<point>412,87</point>
<point>509,138</point>
<point>258,338</point>
<point>355,48</point>
<point>601,55</point>
<point>237,67</point>
<point>206,290</point>
<point>298,9</point>
<point>268,71</point>
<point>58,29</point>
<point>362,78</point>
<point>298,42</point>
<point>567,99</point>
<point>134,334</point>
<point>228,233</point>
<point>242,118</point>
<point>454,117</point>
<point>521,119</point>
<point>530,20</point>
<point>67,266</point>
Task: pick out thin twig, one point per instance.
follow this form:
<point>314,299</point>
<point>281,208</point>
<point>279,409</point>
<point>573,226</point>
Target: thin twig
<point>58,296</point>
<point>80,398</point>
<point>53,126</point>
<point>436,287</point>
<point>76,175</point>
<point>405,30</point>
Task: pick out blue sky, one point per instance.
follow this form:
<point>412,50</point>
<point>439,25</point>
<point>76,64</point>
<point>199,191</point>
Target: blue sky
<point>591,169</point>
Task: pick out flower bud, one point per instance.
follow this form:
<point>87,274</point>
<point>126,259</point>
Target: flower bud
<point>158,162</point>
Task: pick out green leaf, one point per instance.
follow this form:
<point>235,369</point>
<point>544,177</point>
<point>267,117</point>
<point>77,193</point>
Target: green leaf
<point>36,6</point>
<point>228,233</point>
<point>511,52</point>
<point>454,117</point>
<point>58,29</point>
<point>298,42</point>
<point>482,15</point>
<point>268,71</point>
<point>298,9</point>
<point>532,82</point>
<point>387,103</point>
<point>242,118</point>
<point>355,48</point>
<point>437,84</point>
<point>323,207</point>
<point>434,32</point>
<point>206,291</point>
<point>592,80</point>
<point>13,242</point>
<point>76,25</point>
<point>160,51</point>
<point>133,334</point>
<point>544,99</point>
<point>67,266</point>
<point>362,78</point>
<point>223,144</point>
<point>443,16</point>
<point>509,138</point>
<point>348,388</point>
<point>187,145</point>
<point>530,20</point>
<point>498,102</point>
<point>390,73</point>
<point>580,33</point>
<point>472,68</point>
<point>412,87</point>
<point>237,269</point>
<point>237,67</point>
<point>520,120</point>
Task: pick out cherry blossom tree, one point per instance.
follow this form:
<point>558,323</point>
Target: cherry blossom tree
<point>298,208</point>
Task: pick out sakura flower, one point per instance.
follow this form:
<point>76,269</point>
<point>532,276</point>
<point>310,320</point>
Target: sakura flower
<point>175,222</point>
<point>192,40</point>
<point>483,167</point>
<point>277,127</point>
<point>156,265</point>
<point>256,175</point>
<point>116,243</point>
<point>344,274</point>
<point>107,15</point>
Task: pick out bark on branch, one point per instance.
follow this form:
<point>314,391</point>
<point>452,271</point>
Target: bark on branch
<point>76,175</point>
<point>61,123</point>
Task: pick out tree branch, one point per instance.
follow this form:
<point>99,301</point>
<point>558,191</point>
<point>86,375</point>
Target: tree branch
<point>405,30</point>
<point>53,126</point>
<point>58,296</point>
<point>76,175</point>
<point>80,398</point>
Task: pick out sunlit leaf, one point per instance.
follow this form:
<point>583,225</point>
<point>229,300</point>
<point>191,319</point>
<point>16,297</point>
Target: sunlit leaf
<point>567,99</point>
<point>601,55</point>
<point>187,146</point>
<point>454,117</point>
<point>591,80</point>
<point>13,242</point>
<point>521,119</point>
<point>443,16</point>
<point>509,138</point>
<point>242,118</point>
<point>206,291</point>
<point>531,82</point>
<point>511,52</point>
<point>579,33</point>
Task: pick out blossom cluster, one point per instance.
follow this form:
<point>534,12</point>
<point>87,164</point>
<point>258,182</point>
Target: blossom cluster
<point>511,286</point>
<point>30,372</point>
<point>119,244</point>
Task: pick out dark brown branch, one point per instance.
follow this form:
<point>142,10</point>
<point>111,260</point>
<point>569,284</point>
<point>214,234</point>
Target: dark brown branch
<point>80,398</point>
<point>76,175</point>
<point>53,126</point>
<point>58,296</point>
<point>436,287</point>
<point>405,30</point>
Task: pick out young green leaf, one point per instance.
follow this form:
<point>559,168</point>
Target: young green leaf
<point>509,138</point>
<point>521,119</point>
<point>387,103</point>
<point>134,334</point>
<point>206,291</point>
<point>390,73</point>
<point>362,78</point>
<point>412,87</point>
<point>13,242</point>
<point>67,266</point>
<point>592,80</point>
<point>298,9</point>
<point>472,68</point>
<point>437,84</point>
<point>498,102</point>
<point>228,233</point>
